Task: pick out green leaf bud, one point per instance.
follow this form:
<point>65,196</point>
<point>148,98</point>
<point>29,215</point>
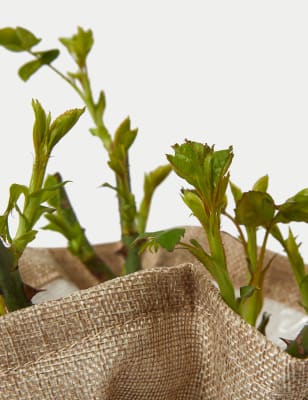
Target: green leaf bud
<point>79,45</point>
<point>62,124</point>
<point>255,209</point>
<point>261,184</point>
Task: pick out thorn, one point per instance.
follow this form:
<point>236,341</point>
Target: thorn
<point>286,341</point>
<point>122,252</point>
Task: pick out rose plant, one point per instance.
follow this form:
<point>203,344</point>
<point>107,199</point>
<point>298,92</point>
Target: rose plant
<point>205,170</point>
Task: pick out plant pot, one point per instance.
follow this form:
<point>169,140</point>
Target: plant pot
<point>161,333</point>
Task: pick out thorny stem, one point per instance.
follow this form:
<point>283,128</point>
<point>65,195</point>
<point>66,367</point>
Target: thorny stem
<point>11,285</point>
<point>250,307</point>
<point>128,233</point>
<point>219,258</point>
<point>10,280</point>
<point>85,250</point>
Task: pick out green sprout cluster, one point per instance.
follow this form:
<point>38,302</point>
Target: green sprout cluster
<point>204,169</point>
<point>46,134</point>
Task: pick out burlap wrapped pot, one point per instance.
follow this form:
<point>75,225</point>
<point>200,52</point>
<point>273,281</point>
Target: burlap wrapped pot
<point>162,333</point>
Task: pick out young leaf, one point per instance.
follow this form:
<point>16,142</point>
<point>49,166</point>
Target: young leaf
<point>155,178</point>
<point>255,209</point>
<point>20,242</point>
<point>118,151</point>
<point>201,255</point>
<point>295,257</point>
<point>28,69</point>
<point>43,58</point>
<point>151,181</point>
<point>188,161</point>
<point>16,191</point>
<point>261,185</point>
<point>276,233</point>
<point>4,229</point>
<point>26,38</point>
<point>100,106</point>
<point>40,210</point>
<point>79,45</point>
<point>108,185</point>
<point>47,56</point>
<point>170,238</point>
<point>194,203</point>
<point>236,192</point>
<point>205,169</point>
<point>41,125</point>
<point>246,291</point>
<point>294,209</point>
<point>9,39</point>
<point>62,125</point>
<point>166,239</point>
<point>58,224</point>
<point>49,192</point>
<point>220,164</point>
<point>124,136</point>
<point>18,39</point>
<point>102,133</point>
<point>118,160</point>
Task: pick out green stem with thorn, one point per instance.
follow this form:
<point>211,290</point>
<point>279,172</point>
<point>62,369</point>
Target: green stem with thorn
<point>65,221</point>
<point>129,232</point>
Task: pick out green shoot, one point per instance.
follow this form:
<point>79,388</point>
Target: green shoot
<point>207,171</point>
<point>132,220</point>
<point>294,209</point>
<point>254,209</point>
<point>46,135</point>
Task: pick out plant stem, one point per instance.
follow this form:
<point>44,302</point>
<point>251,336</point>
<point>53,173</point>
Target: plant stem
<point>84,250</point>
<point>128,228</point>
<point>250,307</point>
<point>11,285</point>
<point>2,306</point>
<point>129,231</point>
<point>31,204</point>
<point>220,272</point>
<point>59,73</point>
<point>252,249</point>
<point>238,228</point>
<point>132,259</point>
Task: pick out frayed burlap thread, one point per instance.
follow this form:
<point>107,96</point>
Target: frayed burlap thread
<point>162,333</point>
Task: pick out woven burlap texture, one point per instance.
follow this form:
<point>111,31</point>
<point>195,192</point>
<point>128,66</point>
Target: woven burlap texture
<point>162,333</point>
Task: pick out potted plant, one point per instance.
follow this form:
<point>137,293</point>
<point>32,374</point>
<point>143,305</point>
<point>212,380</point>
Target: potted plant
<point>158,333</point>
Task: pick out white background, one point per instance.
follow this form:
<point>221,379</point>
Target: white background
<point>221,72</point>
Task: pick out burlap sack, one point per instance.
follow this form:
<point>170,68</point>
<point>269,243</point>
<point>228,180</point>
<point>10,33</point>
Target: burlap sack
<point>162,333</point>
